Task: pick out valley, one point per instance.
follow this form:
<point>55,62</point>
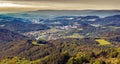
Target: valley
<point>60,37</point>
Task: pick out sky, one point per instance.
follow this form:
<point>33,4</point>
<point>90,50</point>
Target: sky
<point>29,5</point>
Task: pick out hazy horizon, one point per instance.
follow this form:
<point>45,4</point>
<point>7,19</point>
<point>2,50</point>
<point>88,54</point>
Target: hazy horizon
<point>20,5</point>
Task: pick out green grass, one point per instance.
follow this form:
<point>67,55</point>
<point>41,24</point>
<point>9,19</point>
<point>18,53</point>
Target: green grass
<point>35,43</point>
<point>103,42</point>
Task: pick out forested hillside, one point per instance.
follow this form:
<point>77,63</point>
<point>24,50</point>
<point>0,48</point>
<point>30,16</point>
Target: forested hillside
<point>62,51</point>
<point>8,36</point>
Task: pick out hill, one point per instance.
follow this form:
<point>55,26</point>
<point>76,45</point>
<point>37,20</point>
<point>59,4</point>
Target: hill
<point>8,36</point>
<point>113,36</point>
<point>23,47</point>
<point>19,24</point>
<point>62,49</point>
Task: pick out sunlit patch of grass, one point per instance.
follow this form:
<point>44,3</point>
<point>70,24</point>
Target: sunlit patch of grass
<point>36,43</point>
<point>103,42</point>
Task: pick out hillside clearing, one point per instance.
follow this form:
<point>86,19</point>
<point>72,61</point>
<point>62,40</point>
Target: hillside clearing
<point>103,42</point>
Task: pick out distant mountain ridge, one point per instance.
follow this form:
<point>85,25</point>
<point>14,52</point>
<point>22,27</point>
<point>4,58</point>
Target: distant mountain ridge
<point>19,24</point>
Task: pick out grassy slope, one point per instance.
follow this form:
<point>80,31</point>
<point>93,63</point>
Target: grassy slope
<point>103,42</point>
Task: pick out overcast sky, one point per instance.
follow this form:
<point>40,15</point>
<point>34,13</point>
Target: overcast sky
<point>59,4</point>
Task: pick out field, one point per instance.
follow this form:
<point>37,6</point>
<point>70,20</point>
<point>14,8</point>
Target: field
<point>36,43</point>
<point>103,42</point>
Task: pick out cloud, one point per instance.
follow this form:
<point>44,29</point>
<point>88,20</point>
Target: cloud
<point>12,5</point>
<point>88,2</point>
<point>64,4</point>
